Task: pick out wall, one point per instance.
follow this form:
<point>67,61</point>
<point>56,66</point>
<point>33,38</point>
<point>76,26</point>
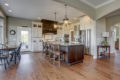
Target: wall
<point>13,23</point>
<point>85,23</point>
<point>88,23</point>
<point>106,9</point>
<point>1,31</point>
<point>110,22</point>
<point>4,19</point>
<point>100,27</point>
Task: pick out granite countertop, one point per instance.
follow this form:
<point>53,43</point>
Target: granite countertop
<point>70,44</point>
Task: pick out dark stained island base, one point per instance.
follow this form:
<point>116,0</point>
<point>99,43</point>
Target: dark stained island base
<point>74,53</point>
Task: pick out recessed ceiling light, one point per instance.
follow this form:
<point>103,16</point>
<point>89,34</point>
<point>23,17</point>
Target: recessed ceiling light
<point>10,10</point>
<point>6,4</point>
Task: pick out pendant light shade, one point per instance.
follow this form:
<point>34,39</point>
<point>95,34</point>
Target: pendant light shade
<point>66,20</point>
<point>55,26</point>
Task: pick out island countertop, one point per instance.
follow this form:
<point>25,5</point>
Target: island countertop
<point>70,44</point>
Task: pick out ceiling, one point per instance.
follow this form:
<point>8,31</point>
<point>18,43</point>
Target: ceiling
<point>32,9</point>
<point>97,3</point>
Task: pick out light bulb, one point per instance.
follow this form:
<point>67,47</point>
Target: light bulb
<point>66,21</point>
<point>55,26</point>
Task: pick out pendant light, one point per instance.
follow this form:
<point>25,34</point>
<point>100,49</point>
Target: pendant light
<point>55,24</point>
<point>66,20</point>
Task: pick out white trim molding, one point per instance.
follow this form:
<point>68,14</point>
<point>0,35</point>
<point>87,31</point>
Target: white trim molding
<point>100,5</point>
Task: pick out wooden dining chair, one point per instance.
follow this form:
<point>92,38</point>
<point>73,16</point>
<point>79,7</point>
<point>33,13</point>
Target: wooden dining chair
<point>4,55</point>
<point>16,54</point>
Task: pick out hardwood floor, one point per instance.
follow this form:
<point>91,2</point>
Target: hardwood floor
<point>34,67</point>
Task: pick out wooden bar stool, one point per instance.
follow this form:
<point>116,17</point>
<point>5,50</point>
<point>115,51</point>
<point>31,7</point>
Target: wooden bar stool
<point>44,48</point>
<point>47,49</point>
<point>57,54</point>
<point>51,55</point>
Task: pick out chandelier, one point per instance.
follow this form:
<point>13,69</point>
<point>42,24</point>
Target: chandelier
<point>66,20</point>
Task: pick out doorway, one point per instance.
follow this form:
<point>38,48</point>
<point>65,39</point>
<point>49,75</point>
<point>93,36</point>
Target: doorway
<point>24,37</point>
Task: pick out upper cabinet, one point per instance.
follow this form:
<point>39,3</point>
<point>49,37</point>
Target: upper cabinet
<point>48,26</point>
<point>36,29</point>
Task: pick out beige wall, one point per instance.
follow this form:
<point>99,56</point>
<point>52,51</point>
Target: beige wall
<point>4,17</point>
<point>13,23</point>
<point>100,27</point>
<point>105,10</point>
<point>111,21</point>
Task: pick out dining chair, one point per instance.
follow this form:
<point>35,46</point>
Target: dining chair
<point>16,53</point>
<point>4,55</point>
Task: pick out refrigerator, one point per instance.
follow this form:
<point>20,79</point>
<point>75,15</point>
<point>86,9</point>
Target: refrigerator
<point>85,38</point>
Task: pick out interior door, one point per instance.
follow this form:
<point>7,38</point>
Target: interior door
<point>24,36</point>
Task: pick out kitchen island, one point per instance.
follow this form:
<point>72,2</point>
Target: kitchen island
<point>74,53</point>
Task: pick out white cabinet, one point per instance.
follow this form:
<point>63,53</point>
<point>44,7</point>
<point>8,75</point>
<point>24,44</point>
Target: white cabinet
<point>37,37</point>
<point>36,29</point>
<point>37,44</point>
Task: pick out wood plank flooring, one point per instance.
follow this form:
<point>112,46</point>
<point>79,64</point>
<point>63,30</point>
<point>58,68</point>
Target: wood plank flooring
<point>34,66</point>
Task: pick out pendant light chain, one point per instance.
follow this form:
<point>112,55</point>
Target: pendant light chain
<point>66,20</point>
<point>55,24</point>
<point>66,11</point>
<point>55,15</point>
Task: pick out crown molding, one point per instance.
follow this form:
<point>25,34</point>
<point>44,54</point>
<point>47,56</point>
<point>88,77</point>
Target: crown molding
<point>105,3</point>
<point>108,2</point>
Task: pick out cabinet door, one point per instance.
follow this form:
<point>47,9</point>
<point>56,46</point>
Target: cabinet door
<point>79,52</point>
<point>40,46</point>
<point>34,30</point>
<point>34,45</point>
<point>39,32</point>
<point>71,53</point>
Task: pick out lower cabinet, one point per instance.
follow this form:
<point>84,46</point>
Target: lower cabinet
<point>37,45</point>
<point>73,53</point>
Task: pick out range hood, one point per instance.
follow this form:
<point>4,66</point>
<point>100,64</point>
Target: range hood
<point>48,26</point>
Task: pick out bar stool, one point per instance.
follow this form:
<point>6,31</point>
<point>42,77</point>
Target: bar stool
<point>44,48</point>
<point>57,54</point>
<point>47,50</point>
<point>51,55</point>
